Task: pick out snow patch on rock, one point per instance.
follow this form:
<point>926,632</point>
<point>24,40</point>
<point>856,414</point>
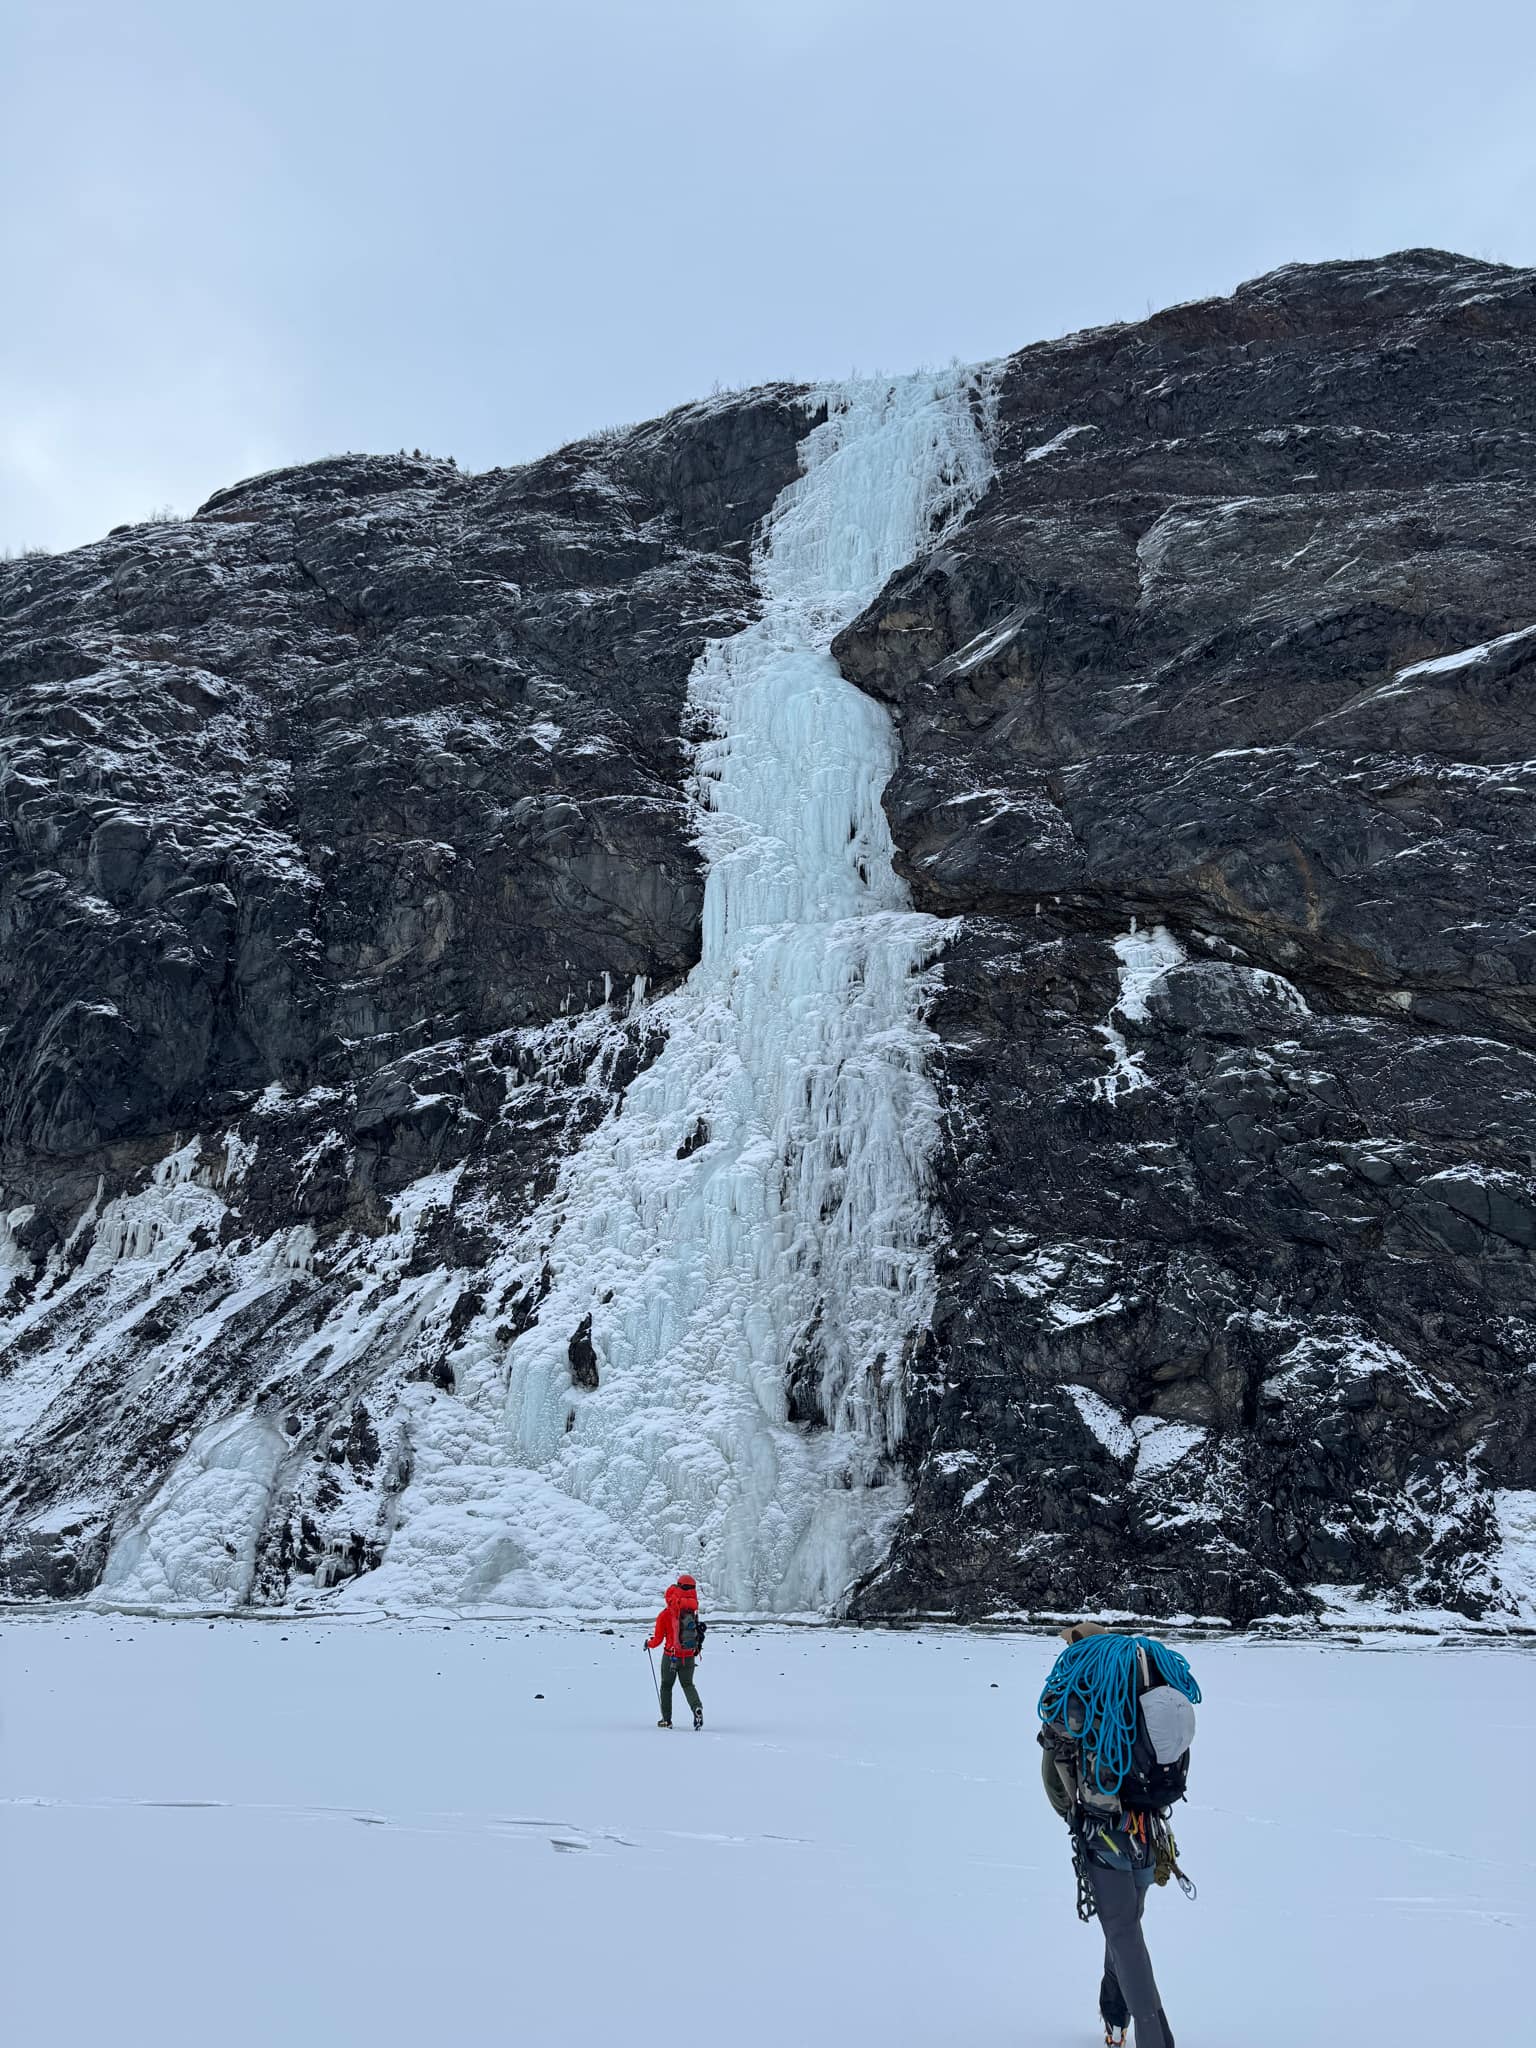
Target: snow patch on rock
<point>1162,1444</point>
<point>1465,657</point>
<point>1330,1358</point>
<point>1106,1423</point>
<point>1057,441</point>
<point>1145,957</point>
<point>1149,1444</point>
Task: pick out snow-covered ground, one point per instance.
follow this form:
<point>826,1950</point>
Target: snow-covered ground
<point>320,1833</point>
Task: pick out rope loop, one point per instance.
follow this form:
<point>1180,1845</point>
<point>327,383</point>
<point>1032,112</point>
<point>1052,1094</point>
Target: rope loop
<point>1099,1674</point>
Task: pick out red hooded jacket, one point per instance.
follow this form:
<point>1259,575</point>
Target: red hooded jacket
<point>683,1598</point>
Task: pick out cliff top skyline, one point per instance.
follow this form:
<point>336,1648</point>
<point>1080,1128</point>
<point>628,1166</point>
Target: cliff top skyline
<point>249,245</point>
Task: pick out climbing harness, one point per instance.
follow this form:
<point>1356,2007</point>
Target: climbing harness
<point>1148,1843</point>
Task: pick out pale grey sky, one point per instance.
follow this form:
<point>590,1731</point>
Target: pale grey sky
<point>238,233</point>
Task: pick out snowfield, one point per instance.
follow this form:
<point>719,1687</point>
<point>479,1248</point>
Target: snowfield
<point>355,1830</point>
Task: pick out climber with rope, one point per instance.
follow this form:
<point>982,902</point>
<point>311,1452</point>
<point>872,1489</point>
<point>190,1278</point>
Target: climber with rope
<point>1117,1719</point>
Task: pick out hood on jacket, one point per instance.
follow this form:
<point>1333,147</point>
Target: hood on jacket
<point>684,1596</point>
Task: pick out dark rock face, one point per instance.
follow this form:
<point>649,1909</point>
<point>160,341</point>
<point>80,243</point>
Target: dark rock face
<point>340,824</point>
<point>362,751</point>
<point>330,821</point>
<point>1238,1295</point>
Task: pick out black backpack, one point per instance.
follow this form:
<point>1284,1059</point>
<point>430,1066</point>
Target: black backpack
<point>1147,1787</point>
<point>690,1633</point>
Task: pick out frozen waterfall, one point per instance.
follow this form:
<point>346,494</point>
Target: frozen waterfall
<point>752,1218</point>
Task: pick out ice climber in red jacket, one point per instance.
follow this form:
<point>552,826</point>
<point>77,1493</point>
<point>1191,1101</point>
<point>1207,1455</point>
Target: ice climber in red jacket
<point>679,1635</point>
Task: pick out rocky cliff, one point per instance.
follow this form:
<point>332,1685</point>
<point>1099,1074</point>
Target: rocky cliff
<point>350,833</point>
<point>1214,728</point>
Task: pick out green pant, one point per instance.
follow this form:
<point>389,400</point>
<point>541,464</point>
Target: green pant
<point>674,1669</point>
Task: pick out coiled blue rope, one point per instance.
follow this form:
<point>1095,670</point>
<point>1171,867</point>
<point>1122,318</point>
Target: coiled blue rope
<point>1100,1673</point>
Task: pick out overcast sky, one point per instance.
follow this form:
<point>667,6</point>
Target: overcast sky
<point>238,233</point>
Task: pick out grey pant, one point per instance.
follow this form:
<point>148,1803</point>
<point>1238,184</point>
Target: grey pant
<point>678,1670</point>
<point>1127,1966</point>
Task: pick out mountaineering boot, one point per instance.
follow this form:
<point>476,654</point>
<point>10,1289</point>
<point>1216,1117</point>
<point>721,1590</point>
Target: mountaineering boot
<point>663,1724</point>
<point>698,1717</point>
<point>1114,2012</point>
